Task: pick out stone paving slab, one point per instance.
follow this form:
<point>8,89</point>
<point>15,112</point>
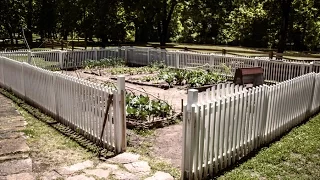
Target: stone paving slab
<point>15,163</point>
<point>141,168</point>
<point>10,134</point>
<point>22,176</point>
<point>124,158</point>
<point>161,176</point>
<point>124,175</point>
<point>111,167</point>
<point>11,146</point>
<point>80,177</point>
<point>14,157</point>
<point>100,173</point>
<point>52,175</point>
<point>16,121</point>
<point>15,167</point>
<point>74,168</point>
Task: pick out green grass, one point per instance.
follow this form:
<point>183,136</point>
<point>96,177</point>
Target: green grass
<point>295,156</point>
<point>39,62</point>
<point>49,148</point>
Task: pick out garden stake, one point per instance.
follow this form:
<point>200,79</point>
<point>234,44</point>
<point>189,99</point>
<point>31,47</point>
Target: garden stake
<point>110,100</point>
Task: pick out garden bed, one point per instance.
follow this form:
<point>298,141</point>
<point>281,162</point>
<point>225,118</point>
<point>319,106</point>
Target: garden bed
<point>156,83</point>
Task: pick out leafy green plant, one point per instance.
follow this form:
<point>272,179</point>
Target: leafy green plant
<point>141,107</point>
<point>149,78</point>
<point>194,78</point>
<point>180,76</point>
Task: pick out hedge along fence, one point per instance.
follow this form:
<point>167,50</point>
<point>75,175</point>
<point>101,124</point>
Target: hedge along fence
<point>220,131</point>
<point>78,104</point>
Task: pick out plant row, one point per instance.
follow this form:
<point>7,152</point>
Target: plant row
<point>141,107</point>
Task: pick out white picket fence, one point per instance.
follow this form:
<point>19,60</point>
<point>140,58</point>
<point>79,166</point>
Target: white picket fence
<point>219,132</point>
<point>218,91</point>
<point>78,104</point>
<point>275,71</point>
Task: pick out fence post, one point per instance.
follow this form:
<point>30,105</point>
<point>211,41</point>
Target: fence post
<point>61,59</point>
<point>126,54</point>
<point>311,67</point>
<point>188,135</point>
<point>255,62</point>
<point>265,107</point>
<point>95,54</point>
<point>29,57</point>
<point>312,95</point>
<point>302,70</point>
<point>119,52</point>
<point>177,59</point>
<point>22,80</point>
<point>121,113</point>
<point>148,54</point>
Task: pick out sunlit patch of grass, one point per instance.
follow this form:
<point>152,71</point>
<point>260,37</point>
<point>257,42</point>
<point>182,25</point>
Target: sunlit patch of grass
<point>295,156</point>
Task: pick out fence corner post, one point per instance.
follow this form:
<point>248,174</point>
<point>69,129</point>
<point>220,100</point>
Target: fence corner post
<point>122,142</point>
<point>188,130</point>
<point>29,57</point>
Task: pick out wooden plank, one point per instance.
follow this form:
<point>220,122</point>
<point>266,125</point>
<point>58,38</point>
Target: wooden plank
<point>222,133</point>
<point>217,142</point>
<point>202,138</point>
<point>208,130</point>
<point>231,128</point>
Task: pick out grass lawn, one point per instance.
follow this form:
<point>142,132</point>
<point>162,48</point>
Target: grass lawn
<point>295,156</point>
<point>49,148</point>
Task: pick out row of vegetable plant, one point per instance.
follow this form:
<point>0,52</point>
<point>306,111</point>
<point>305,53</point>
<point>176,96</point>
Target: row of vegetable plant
<point>141,107</point>
<point>192,78</point>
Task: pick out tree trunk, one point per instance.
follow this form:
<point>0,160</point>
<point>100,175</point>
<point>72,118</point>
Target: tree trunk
<point>65,35</point>
<point>165,22</point>
<point>28,32</point>
<point>286,8</point>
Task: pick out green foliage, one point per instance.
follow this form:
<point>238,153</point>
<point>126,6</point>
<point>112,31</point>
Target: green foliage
<point>149,78</point>
<point>141,107</point>
<point>294,156</point>
<point>133,70</point>
<point>194,78</point>
<point>254,23</point>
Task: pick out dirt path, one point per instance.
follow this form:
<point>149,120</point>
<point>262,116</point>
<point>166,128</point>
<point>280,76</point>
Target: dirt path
<point>168,144</point>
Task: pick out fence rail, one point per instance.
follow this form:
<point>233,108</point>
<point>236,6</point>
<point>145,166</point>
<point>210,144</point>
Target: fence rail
<point>78,104</point>
<point>225,129</point>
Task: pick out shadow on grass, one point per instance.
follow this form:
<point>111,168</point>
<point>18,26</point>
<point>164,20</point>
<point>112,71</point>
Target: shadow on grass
<point>66,131</point>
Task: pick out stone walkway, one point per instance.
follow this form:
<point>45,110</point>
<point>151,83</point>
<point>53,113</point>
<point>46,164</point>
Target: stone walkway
<point>15,163</point>
<point>14,151</point>
<point>126,166</point>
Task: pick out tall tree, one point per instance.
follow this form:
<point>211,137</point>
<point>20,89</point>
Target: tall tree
<point>286,9</point>
<point>68,14</point>
<point>165,18</point>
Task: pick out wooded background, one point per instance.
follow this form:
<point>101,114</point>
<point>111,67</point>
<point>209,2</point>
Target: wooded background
<point>251,23</point>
